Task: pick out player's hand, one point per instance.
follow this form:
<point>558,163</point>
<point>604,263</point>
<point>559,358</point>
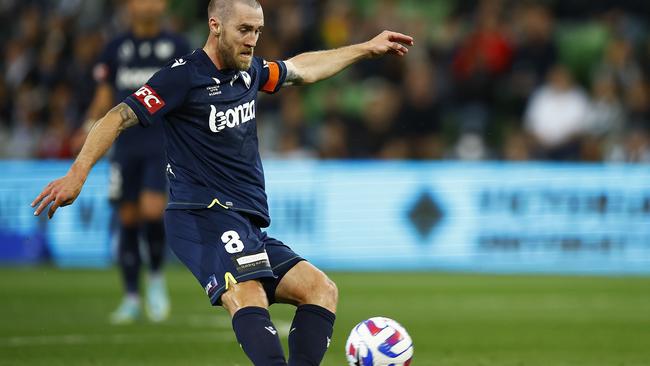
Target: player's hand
<point>388,42</point>
<point>59,193</point>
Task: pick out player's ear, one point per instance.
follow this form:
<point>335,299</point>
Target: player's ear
<point>215,26</point>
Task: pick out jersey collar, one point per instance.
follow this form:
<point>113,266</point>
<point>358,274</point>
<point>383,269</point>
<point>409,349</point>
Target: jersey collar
<point>206,59</point>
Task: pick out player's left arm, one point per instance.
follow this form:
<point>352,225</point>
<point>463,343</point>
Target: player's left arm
<point>311,67</point>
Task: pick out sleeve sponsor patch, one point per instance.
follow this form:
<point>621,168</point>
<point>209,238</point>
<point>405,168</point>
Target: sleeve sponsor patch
<point>150,99</point>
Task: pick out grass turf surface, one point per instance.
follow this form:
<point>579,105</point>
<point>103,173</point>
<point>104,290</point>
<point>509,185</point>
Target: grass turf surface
<point>56,317</point>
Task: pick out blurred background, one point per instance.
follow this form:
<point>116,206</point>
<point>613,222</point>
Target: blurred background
<point>512,143</point>
<point>484,82</point>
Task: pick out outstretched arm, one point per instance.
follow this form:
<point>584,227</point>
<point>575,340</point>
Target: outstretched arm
<point>65,190</point>
<point>311,67</point>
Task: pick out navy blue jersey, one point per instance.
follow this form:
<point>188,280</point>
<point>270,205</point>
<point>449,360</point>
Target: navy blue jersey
<point>210,131</point>
<point>126,64</point>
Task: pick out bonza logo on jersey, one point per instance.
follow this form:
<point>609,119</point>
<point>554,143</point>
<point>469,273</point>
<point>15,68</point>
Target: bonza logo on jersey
<point>232,117</point>
<point>150,99</point>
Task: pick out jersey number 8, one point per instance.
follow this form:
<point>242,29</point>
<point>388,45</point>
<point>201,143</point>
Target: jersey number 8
<point>232,242</point>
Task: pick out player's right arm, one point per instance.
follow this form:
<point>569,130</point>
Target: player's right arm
<point>65,190</point>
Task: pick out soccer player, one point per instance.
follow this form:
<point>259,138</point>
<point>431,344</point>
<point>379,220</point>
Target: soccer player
<point>138,183</point>
<point>217,205</point>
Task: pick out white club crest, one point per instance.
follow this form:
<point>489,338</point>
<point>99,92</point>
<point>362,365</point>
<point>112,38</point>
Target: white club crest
<point>244,76</point>
<point>247,79</point>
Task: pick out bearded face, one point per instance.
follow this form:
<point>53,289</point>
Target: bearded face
<point>239,36</point>
<point>233,55</point>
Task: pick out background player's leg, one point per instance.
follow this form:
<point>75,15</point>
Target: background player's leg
<point>316,296</point>
<point>129,262</point>
<point>152,207</point>
<point>247,304</point>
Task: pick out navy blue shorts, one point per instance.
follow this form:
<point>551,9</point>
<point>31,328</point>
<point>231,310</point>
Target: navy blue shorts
<point>130,174</point>
<point>222,247</point>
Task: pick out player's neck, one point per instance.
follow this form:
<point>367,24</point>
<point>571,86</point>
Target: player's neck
<point>146,30</point>
<point>210,49</point>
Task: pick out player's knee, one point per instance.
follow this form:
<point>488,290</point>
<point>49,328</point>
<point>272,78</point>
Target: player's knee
<point>152,206</point>
<point>330,294</point>
<point>322,292</point>
<point>244,294</point>
<point>152,214</point>
<point>128,214</point>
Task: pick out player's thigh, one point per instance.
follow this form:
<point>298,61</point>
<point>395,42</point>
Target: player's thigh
<point>282,259</point>
<point>306,284</point>
<point>297,281</point>
<point>153,194</point>
<point>125,178</point>
<point>152,205</point>
<point>222,249</point>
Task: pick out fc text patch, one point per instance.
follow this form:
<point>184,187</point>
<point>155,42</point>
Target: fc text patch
<point>150,99</point>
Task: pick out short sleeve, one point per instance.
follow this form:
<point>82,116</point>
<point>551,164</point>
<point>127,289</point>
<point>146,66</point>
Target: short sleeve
<point>163,93</point>
<point>272,75</point>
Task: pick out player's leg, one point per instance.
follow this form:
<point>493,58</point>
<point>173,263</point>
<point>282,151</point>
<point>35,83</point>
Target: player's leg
<point>248,306</point>
<point>128,249</point>
<point>224,252</point>
<point>124,182</point>
<point>305,284</point>
<point>315,295</point>
<point>152,202</point>
<point>152,207</point>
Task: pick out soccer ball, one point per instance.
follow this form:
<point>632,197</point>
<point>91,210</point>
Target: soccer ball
<point>379,341</point>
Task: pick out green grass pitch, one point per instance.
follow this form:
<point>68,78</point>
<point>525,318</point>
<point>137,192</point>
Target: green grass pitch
<point>59,317</point>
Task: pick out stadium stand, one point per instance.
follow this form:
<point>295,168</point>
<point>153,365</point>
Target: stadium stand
<point>484,75</point>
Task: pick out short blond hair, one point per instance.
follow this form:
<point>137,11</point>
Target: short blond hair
<point>222,8</point>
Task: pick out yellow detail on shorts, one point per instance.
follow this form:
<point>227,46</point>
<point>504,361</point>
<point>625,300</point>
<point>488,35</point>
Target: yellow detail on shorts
<point>216,202</point>
<point>228,277</point>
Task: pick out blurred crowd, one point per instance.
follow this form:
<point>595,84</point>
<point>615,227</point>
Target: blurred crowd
<point>562,80</point>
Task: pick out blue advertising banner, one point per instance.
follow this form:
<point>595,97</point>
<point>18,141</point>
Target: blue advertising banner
<point>77,236</point>
<point>481,217</point>
<point>459,216</point>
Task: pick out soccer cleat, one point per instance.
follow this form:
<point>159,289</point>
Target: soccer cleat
<point>157,304</point>
<point>127,313</point>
